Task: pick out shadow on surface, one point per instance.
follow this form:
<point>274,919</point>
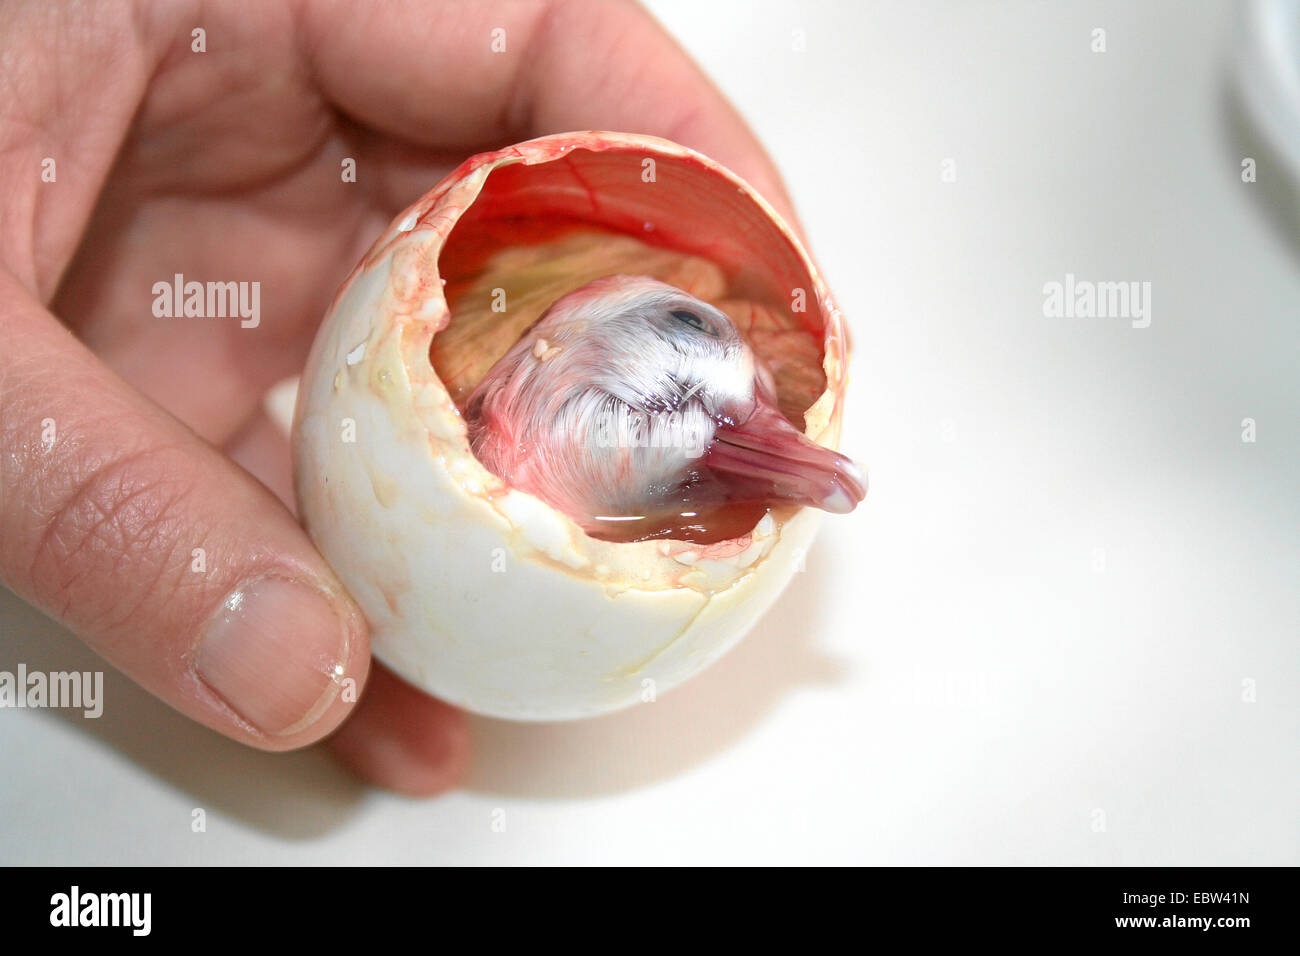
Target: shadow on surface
<point>684,727</point>
<point>1275,194</point>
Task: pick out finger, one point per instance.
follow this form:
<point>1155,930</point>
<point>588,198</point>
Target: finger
<point>261,448</point>
<point>398,737</point>
<point>429,73</point>
<point>403,739</point>
<point>173,563</point>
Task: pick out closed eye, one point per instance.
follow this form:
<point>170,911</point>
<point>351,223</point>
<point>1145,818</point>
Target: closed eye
<point>693,320</point>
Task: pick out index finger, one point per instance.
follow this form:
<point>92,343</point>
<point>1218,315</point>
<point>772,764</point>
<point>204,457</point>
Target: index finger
<point>481,75</point>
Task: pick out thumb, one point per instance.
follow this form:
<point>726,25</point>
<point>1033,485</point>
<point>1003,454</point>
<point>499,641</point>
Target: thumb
<point>167,558</point>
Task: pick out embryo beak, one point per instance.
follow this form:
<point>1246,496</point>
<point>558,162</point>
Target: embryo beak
<point>767,457</point>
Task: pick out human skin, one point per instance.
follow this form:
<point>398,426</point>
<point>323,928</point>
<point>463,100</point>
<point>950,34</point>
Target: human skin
<point>225,165</point>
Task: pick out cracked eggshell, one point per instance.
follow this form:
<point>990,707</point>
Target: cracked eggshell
<point>483,595</point>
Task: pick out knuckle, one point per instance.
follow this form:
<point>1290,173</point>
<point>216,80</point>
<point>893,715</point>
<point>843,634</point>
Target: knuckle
<point>110,534</point>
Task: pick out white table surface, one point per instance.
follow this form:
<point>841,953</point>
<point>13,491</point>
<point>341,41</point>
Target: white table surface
<point>951,681</point>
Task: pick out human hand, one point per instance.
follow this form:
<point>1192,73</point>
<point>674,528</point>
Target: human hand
<point>127,507</point>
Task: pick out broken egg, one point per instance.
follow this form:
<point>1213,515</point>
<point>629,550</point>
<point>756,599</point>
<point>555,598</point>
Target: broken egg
<point>480,593</point>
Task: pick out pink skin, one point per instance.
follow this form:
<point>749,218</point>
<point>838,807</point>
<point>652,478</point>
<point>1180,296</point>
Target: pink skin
<point>765,458</point>
<point>226,166</point>
<point>708,433</point>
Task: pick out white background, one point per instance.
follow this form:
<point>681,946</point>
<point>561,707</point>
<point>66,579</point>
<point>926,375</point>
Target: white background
<point>951,681</point>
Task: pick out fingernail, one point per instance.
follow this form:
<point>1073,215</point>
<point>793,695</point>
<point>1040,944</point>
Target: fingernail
<point>275,652</point>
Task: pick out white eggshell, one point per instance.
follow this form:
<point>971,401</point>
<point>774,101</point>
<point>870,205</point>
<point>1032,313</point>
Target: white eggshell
<point>476,593</point>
